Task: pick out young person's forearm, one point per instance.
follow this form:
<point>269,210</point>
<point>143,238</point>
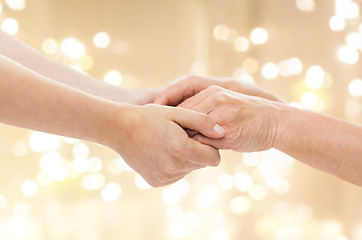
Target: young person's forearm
<point>32,101</point>
<point>324,142</point>
<point>30,58</point>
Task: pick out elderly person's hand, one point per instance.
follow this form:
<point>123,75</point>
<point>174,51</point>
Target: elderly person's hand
<point>255,124</point>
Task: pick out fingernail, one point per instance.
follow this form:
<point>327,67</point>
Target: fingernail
<point>218,129</point>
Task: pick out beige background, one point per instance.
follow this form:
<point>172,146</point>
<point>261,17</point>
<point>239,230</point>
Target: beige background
<point>160,41</point>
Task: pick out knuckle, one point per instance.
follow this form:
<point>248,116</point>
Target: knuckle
<point>214,88</point>
<point>177,149</point>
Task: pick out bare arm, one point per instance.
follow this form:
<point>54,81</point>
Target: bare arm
<point>257,124</point>
<point>149,137</point>
<point>32,59</point>
<point>322,141</point>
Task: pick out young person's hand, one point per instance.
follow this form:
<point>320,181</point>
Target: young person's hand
<point>185,87</point>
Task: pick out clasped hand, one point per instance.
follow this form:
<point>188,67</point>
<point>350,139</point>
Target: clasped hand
<point>161,151</point>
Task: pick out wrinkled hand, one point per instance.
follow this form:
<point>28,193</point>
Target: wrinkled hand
<point>154,143</point>
<point>251,123</point>
<point>189,86</point>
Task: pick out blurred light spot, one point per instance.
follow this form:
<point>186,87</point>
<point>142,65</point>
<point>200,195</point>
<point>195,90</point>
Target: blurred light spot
<point>337,23</point>
<point>111,192</point>
<point>198,68</point>
<point>170,196</point>
<point>354,40</point>
<point>315,76</point>
<point>80,150</point>
<point>220,234</point>
<point>101,40</point>
<point>114,78</point>
<point>332,228</point>
<point>257,192</point>
<point>81,164</point>
<point>54,165</point>
<point>352,109</point>
<point>40,142</point>
<point>29,188</point>
<point>16,5</point>
<point>295,66</point>
<point>282,187</point>
<point>250,159</point>
<point>250,65</point>
<point>246,78</point>
<point>69,140</point>
<point>93,182</point>
<point>240,205</point>
<point>305,5</point>
<point>77,68</point>
<point>348,55</point>
<point>179,229</point>
<point>10,26</point>
<point>3,202</point>
<point>226,182</point>
<point>207,197</point>
<point>72,48</point>
<point>243,182</point>
<point>49,46</point>
<point>309,100</point>
<point>283,68</point>
<point>259,36</point>
<point>241,44</point>
<point>19,148</point>
<point>355,88</point>
<point>347,9</point>
<point>95,165</point>
<point>191,218</point>
<point>295,233</point>
<point>19,226</point>
<point>304,213</point>
<point>1,9</point>
<point>120,47</point>
<point>118,165</point>
<point>270,71</point>
<point>43,178</point>
<point>174,212</point>
<point>86,62</point>
<point>141,183</point>
<point>221,33</point>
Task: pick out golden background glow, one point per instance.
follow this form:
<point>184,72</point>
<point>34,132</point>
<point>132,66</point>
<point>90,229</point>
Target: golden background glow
<point>306,51</point>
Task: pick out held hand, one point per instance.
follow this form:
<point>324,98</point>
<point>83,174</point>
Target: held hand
<point>189,86</point>
<point>154,143</point>
<point>251,123</point>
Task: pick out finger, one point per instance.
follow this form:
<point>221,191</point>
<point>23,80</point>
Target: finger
<point>175,94</point>
<point>216,143</point>
<point>200,97</point>
<point>197,121</point>
<point>202,154</point>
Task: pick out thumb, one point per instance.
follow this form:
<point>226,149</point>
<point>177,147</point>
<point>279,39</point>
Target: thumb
<point>198,121</point>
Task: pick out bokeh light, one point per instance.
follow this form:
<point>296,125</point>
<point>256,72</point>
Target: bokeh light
<point>16,5</point>
<point>101,40</point>
<point>259,36</point>
<point>63,188</point>
<point>10,26</point>
<point>73,48</point>
<point>114,78</point>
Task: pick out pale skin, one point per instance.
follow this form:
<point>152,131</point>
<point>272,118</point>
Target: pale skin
<point>148,137</point>
<point>41,94</point>
<point>256,124</point>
